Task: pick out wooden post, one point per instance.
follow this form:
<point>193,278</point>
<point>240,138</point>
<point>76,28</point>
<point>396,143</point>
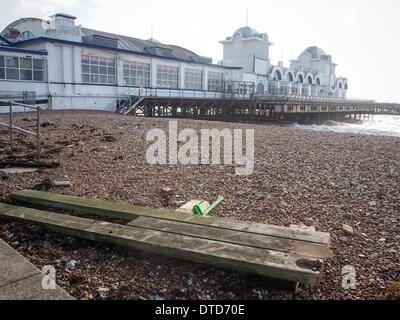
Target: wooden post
<point>11,125</point>
<point>38,134</point>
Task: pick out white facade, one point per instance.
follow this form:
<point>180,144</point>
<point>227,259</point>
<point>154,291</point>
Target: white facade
<point>89,69</point>
<point>313,73</point>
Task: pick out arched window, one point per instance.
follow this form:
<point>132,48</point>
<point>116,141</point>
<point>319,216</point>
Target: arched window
<point>318,81</point>
<point>260,88</point>
<point>289,76</point>
<point>346,86</point>
<point>309,80</point>
<point>340,85</point>
<point>300,78</point>
<point>277,75</point>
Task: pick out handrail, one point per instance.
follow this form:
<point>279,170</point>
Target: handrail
<point>11,127</point>
<point>25,105</point>
<point>181,93</point>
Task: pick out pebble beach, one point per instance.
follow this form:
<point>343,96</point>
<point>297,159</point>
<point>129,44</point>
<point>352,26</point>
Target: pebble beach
<point>301,177</point>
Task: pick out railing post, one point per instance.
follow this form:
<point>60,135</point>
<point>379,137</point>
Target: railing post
<point>11,126</point>
<point>38,133</point>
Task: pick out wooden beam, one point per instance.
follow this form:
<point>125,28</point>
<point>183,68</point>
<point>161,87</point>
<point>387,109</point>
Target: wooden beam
<point>130,212</point>
<point>263,262</point>
<point>302,248</point>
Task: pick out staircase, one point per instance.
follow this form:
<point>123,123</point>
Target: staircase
<point>127,105</point>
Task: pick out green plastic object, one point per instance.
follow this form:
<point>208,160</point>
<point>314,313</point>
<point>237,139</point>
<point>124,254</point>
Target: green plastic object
<point>204,208</point>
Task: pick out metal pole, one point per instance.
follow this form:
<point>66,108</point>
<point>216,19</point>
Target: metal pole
<point>38,134</point>
<point>11,125</point>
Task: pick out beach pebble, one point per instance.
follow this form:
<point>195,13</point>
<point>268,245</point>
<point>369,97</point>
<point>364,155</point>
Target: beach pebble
<point>350,216</point>
<point>71,264</point>
<point>347,229</point>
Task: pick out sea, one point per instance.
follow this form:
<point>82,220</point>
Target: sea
<point>378,125</point>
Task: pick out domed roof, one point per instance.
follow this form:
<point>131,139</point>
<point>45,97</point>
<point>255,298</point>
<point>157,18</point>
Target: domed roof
<point>153,40</point>
<point>247,32</point>
<point>315,52</point>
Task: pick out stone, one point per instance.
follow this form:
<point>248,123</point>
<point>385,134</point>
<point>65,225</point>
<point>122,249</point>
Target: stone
<point>347,229</point>
<point>71,264</point>
<point>192,275</point>
<point>240,193</point>
<point>350,216</point>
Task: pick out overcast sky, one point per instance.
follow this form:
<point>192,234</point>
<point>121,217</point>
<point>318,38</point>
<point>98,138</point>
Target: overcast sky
<point>362,36</point>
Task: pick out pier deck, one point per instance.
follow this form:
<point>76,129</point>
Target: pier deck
<point>153,102</point>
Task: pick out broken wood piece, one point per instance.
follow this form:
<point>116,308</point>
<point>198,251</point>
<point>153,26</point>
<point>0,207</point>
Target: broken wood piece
<point>15,170</point>
<point>188,207</point>
<point>4,164</point>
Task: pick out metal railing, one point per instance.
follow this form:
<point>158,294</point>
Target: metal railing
<point>28,97</point>
<point>11,126</point>
<point>181,93</point>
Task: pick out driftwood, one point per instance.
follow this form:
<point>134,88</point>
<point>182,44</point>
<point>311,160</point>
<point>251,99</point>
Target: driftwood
<point>52,165</point>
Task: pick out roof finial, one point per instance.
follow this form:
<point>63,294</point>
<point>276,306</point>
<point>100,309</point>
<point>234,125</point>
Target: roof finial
<point>247,16</point>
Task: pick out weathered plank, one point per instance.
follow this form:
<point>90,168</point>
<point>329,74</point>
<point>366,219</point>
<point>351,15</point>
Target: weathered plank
<point>130,212</point>
<point>236,237</point>
<point>254,260</point>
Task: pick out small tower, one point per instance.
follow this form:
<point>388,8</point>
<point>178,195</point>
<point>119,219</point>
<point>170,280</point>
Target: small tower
<point>62,26</point>
<point>247,49</point>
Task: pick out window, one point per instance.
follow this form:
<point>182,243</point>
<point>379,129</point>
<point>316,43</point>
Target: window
<point>167,76</point>
<point>2,68</point>
<point>22,68</point>
<point>136,74</point>
<point>215,81</point>
<point>38,70</point>
<point>12,62</point>
<point>25,71</point>
<point>12,68</point>
<point>193,79</point>
<point>98,70</point>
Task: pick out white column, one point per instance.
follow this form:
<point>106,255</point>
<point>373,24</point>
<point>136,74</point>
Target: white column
<point>181,76</point>
<point>119,75</point>
<point>205,79</point>
<point>153,73</point>
<point>77,58</point>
